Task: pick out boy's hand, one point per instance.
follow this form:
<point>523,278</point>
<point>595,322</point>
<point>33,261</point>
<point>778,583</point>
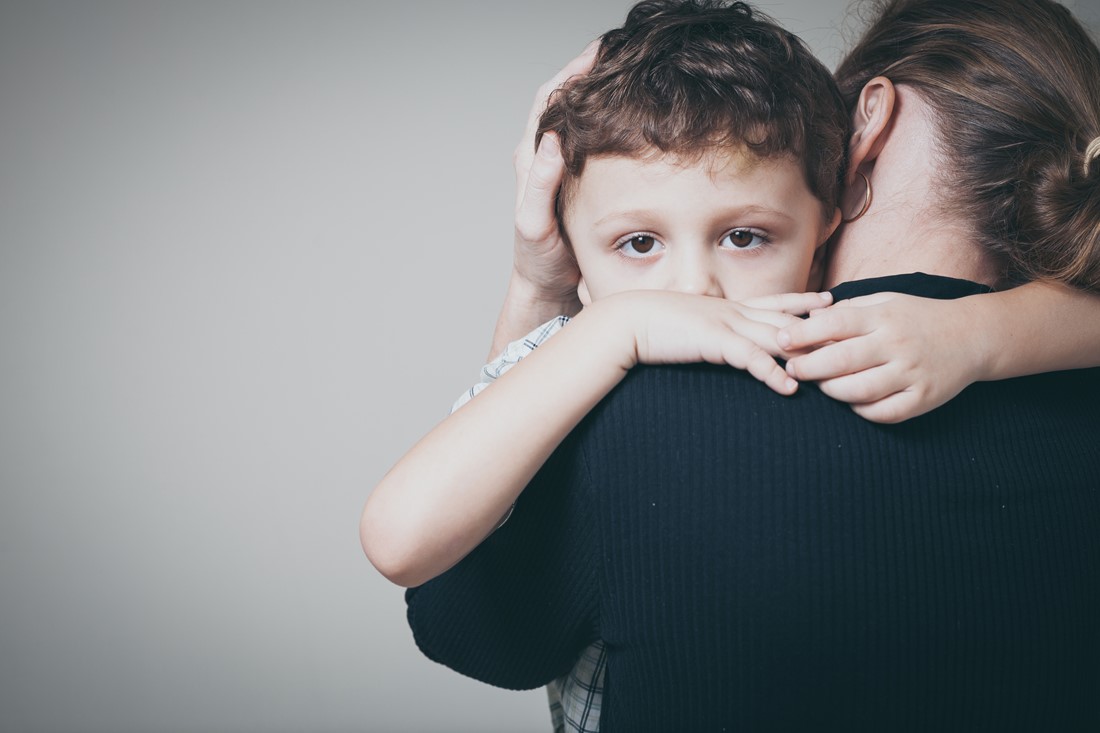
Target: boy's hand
<point>676,328</point>
<point>892,356</point>
<point>543,266</point>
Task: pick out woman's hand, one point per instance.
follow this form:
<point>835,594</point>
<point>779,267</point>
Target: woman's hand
<point>891,356</point>
<point>675,328</point>
<point>542,261</point>
<point>544,275</point>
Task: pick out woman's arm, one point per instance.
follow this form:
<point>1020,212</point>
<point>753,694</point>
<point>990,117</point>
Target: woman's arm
<point>449,492</point>
<point>897,356</point>
<point>526,305</point>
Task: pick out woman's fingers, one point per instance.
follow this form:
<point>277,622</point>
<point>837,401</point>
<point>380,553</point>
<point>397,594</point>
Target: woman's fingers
<point>525,151</point>
<point>536,220</point>
<point>581,64</point>
<point>541,258</point>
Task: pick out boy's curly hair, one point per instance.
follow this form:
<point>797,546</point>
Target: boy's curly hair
<point>685,77</point>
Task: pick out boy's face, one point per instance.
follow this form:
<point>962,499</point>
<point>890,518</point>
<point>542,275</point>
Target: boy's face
<point>727,225</point>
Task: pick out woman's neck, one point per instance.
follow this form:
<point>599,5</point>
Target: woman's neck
<point>906,239</point>
<point>906,228</point>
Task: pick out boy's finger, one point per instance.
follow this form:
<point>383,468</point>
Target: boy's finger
<point>736,347</point>
<point>774,319</point>
<point>760,332</point>
<point>741,353</point>
<point>895,408</point>
<point>535,218</point>
<point>793,303</point>
<point>869,385</point>
<point>863,301</point>
<point>762,366</point>
<point>835,360</point>
<point>830,324</point>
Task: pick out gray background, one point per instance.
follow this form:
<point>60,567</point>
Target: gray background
<point>248,254</point>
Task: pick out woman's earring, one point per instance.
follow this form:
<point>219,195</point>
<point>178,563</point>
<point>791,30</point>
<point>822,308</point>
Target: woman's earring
<point>867,196</point>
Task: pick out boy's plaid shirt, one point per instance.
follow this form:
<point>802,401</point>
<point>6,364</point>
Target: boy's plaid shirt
<point>574,698</point>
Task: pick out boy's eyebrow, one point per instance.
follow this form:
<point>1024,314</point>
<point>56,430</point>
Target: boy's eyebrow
<point>751,209</point>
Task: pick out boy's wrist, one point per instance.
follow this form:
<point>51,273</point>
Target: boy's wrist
<point>982,324</point>
<point>619,327</point>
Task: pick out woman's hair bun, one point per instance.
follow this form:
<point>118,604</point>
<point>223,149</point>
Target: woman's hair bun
<point>1060,219</point>
<point>1092,154</point>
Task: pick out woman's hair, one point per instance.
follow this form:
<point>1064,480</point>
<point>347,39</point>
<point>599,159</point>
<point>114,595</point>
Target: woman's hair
<point>687,78</point>
<point>1015,85</point>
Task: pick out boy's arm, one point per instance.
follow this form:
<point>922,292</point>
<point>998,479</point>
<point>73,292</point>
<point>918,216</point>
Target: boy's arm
<point>896,356</point>
<point>512,354</point>
<point>450,491</point>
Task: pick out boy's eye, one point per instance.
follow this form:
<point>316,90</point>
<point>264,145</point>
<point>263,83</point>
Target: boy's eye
<point>744,239</point>
<point>639,245</point>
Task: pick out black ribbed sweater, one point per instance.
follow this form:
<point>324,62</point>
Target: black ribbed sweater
<point>755,562</point>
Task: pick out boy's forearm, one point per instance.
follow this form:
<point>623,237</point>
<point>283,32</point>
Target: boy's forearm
<point>447,493</point>
<point>1037,327</point>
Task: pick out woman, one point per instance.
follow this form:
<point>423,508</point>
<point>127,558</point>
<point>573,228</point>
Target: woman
<point>1029,166</point>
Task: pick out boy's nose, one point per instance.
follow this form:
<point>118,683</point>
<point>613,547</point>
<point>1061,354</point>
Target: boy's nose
<point>698,278</point>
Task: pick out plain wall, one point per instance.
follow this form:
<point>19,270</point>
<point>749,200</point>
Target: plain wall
<point>249,252</point>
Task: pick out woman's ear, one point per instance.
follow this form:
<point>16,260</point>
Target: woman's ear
<point>870,124</point>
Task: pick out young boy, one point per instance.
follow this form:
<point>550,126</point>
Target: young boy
<point>704,153</point>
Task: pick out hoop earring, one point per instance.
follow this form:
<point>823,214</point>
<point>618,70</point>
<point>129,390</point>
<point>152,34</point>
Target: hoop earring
<point>867,196</point>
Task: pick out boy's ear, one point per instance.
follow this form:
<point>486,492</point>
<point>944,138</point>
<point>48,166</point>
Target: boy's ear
<point>870,124</point>
<point>827,231</point>
<point>817,266</point>
<point>582,293</point>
